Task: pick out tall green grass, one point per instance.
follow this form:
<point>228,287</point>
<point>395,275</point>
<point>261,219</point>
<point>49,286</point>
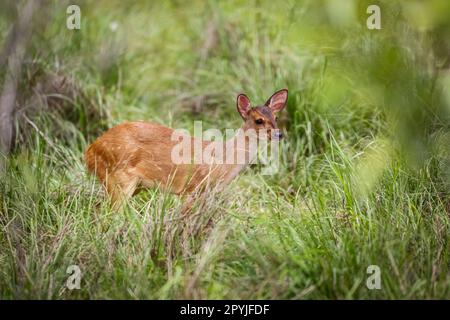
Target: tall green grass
<point>362,179</point>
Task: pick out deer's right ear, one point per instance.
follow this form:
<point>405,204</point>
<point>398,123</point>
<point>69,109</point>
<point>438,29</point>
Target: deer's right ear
<point>243,105</point>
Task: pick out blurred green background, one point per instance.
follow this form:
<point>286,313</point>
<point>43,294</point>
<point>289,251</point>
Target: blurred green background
<point>364,177</point>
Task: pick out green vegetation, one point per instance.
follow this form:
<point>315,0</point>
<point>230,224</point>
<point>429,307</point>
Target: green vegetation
<point>364,175</point>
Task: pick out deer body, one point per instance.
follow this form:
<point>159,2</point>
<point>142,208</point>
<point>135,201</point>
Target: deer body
<point>133,155</point>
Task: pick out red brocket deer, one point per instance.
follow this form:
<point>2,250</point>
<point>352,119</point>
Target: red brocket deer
<point>135,155</point>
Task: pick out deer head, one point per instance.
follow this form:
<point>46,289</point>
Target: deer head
<point>263,119</point>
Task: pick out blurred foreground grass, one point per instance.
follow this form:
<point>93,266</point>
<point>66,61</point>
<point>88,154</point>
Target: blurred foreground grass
<point>365,165</point>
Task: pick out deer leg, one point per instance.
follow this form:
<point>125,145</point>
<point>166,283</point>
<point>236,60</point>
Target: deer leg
<point>187,205</point>
<point>120,187</point>
<point>195,197</point>
<point>199,195</point>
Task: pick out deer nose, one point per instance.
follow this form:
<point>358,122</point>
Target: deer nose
<point>278,135</point>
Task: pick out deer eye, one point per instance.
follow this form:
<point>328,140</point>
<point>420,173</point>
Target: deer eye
<point>258,121</point>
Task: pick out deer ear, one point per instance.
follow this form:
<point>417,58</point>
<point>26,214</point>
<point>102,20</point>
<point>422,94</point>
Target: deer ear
<point>243,105</point>
<point>278,100</point>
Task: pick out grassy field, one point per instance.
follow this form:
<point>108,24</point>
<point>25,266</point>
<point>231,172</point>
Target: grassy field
<point>364,173</point>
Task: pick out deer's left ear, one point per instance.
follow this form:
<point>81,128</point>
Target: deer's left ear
<point>278,100</point>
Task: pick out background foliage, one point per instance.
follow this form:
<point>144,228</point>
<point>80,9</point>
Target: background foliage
<point>365,163</point>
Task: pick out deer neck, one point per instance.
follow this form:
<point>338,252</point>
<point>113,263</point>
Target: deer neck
<point>234,154</point>
<point>239,152</point>
<point>244,147</point>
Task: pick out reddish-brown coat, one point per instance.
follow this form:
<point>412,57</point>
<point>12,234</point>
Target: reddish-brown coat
<point>138,154</point>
